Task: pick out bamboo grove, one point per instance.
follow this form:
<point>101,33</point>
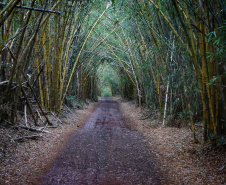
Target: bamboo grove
<point>166,55</point>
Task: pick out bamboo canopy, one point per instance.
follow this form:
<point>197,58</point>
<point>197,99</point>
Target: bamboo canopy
<point>165,55</point>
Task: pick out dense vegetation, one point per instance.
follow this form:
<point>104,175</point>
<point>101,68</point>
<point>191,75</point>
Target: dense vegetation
<point>166,55</point>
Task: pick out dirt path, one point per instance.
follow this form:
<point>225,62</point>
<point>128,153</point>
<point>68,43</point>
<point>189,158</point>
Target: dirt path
<point>104,152</point>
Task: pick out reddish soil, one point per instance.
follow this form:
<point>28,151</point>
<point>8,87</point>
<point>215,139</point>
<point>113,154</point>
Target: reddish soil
<point>104,152</point>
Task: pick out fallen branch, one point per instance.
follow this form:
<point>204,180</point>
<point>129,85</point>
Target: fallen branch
<point>48,127</point>
<point>56,117</point>
<point>40,116</point>
<point>32,129</point>
<point>69,109</point>
<point>34,137</point>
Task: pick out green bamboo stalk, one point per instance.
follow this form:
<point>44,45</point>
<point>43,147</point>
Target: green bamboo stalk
<point>76,61</point>
<point>8,9</point>
<point>121,63</point>
<point>67,51</point>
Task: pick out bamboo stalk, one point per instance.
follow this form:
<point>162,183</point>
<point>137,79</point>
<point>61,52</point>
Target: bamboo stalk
<point>18,50</point>
<point>67,51</point>
<point>29,106</point>
<point>198,71</point>
<point>121,63</point>
<point>48,16</point>
<point>31,40</point>
<point>193,125</point>
<point>39,77</point>
<point>7,30</point>
<point>36,99</point>
<point>166,99</point>
<point>8,9</point>
<point>168,22</point>
<point>76,61</point>
<point>134,74</point>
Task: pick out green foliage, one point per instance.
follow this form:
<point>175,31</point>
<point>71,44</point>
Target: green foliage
<point>139,57</point>
<point>184,115</point>
<point>219,43</point>
<point>221,140</point>
<point>106,91</point>
<point>109,81</point>
<point>73,102</point>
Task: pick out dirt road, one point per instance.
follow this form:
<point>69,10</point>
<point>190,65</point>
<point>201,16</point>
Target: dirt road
<point>104,152</point>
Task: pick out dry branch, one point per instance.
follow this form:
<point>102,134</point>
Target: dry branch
<point>34,137</point>
<point>35,9</point>
<point>69,109</point>
<point>36,98</point>
<point>48,127</point>
<point>32,129</point>
<point>4,82</point>
<point>56,117</point>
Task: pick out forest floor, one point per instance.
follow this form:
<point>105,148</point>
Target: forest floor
<point>178,160</point>
<point>23,162</point>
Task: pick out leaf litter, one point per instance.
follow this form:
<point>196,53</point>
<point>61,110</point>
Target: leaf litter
<point>180,160</point>
<point>24,162</point>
